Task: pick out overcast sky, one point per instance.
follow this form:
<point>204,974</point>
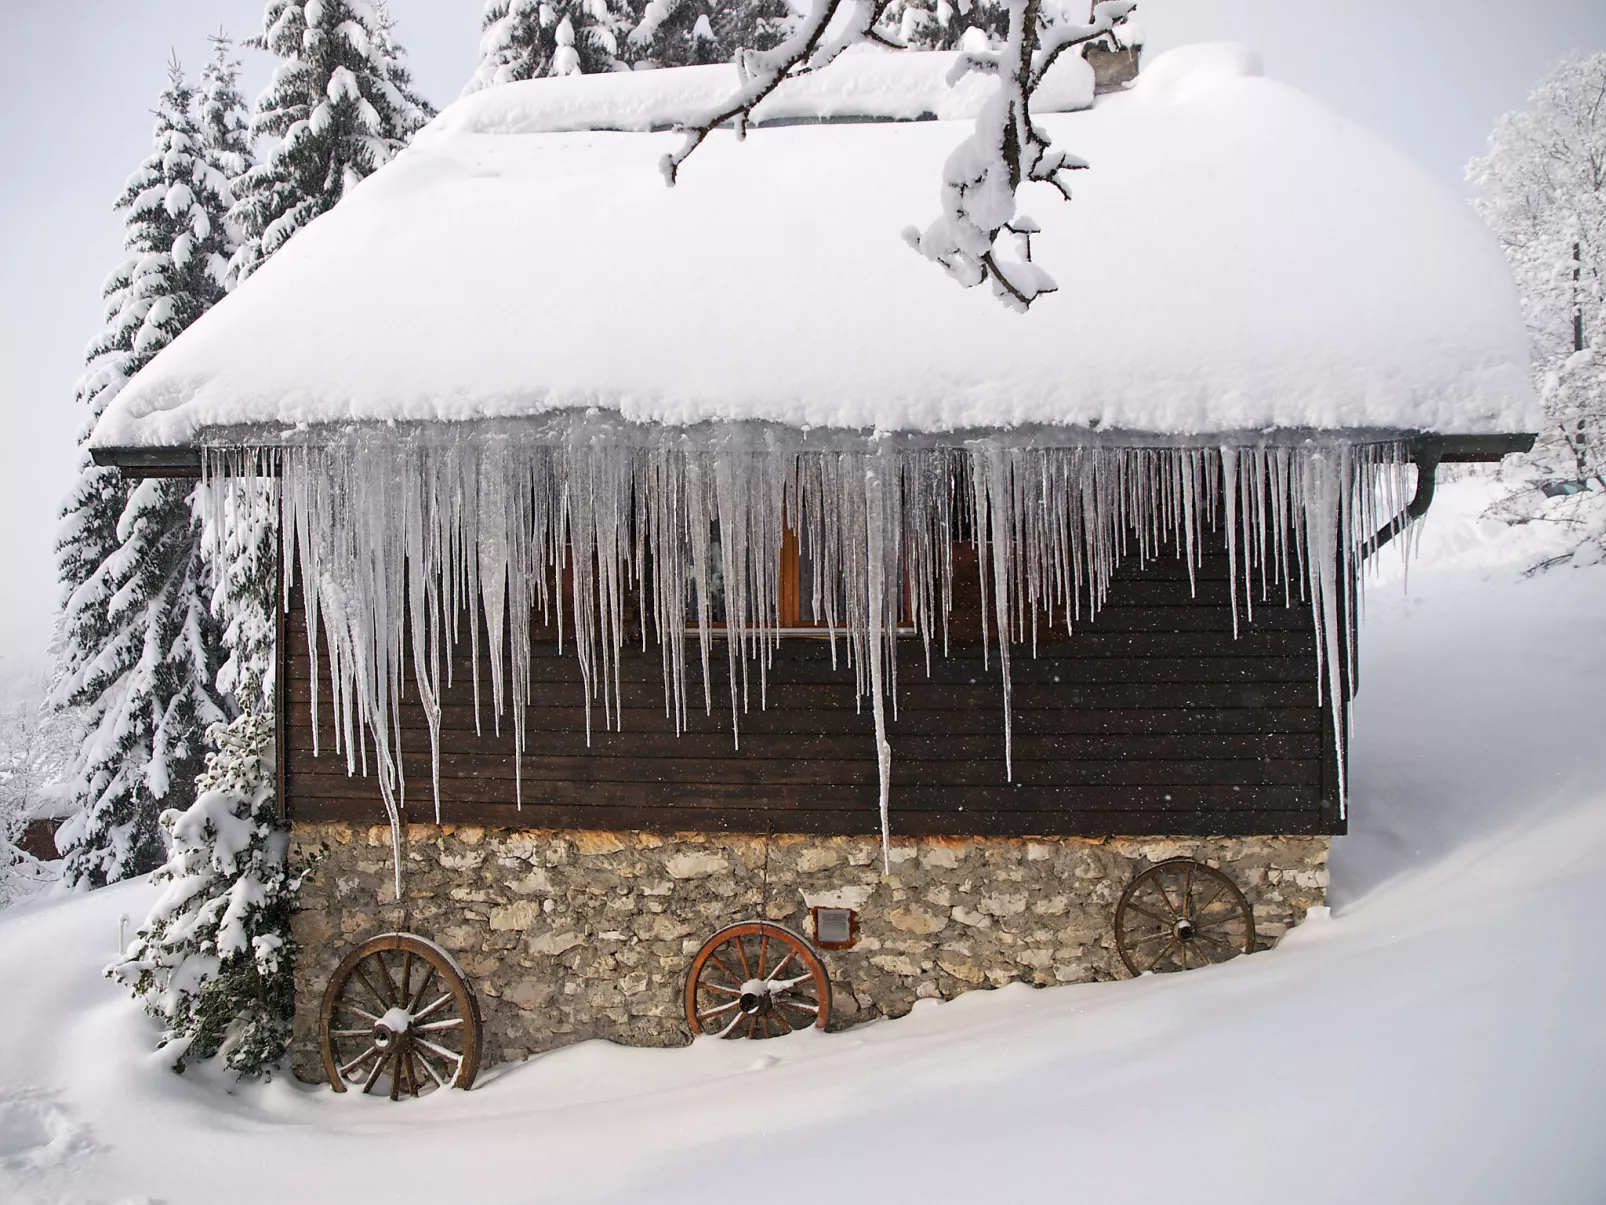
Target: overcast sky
<point>79,79</point>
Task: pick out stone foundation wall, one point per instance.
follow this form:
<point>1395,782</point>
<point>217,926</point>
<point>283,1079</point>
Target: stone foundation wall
<point>573,935</point>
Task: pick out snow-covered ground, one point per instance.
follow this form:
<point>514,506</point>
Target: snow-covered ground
<point>1441,1037</point>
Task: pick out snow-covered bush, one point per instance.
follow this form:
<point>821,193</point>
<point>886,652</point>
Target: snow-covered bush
<point>214,957</point>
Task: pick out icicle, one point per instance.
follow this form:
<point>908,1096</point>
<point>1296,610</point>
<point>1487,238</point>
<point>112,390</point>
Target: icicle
<point>395,534</point>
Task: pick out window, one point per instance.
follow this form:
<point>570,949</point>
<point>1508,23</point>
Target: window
<point>795,590</point>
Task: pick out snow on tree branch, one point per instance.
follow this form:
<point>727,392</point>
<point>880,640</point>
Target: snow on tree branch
<point>979,222</point>
<point>762,71</point>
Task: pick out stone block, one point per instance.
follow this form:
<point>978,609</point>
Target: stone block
<point>553,944</point>
<point>695,864</point>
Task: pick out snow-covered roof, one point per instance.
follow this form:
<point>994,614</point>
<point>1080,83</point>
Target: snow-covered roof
<point>1239,257</point>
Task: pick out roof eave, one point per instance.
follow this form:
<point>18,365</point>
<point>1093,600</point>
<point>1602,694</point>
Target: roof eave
<point>137,463</point>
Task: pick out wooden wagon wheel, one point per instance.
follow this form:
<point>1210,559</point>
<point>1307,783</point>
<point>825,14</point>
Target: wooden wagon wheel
<point>398,1015</point>
<point>756,980</point>
<point>1179,915</point>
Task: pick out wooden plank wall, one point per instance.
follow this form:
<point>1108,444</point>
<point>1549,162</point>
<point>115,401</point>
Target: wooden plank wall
<point>1153,719</point>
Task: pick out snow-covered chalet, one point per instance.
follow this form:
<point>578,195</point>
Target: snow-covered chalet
<point>661,560</point>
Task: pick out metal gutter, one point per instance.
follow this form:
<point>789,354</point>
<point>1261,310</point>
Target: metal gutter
<point>140,462</point>
<point>1430,451</point>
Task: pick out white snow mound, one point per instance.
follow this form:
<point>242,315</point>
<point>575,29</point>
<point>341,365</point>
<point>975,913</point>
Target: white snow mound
<point>1238,257</point>
<point>866,83</point>
<point>1186,72</point>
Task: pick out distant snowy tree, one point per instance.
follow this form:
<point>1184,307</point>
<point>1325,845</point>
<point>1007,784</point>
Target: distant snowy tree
<point>36,744</point>
<point>214,957</point>
<point>224,119</point>
<point>684,33</point>
<point>949,24</point>
<point>528,39</point>
<point>1542,189</point>
<point>341,104</point>
<point>139,648</point>
<point>980,236</point>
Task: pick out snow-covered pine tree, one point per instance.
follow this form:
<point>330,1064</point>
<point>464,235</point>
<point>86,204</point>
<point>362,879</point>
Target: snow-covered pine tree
<point>341,104</point>
<point>683,33</point>
<point>1542,189</point>
<point>224,120</point>
<point>527,39</point>
<point>214,958</point>
<point>947,24</point>
<point>242,601</point>
<point>139,647</point>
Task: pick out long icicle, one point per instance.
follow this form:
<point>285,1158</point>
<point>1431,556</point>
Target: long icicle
<point>400,539</point>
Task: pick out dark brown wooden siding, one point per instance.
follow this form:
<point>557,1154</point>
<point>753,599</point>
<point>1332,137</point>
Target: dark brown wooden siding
<point>1153,719</point>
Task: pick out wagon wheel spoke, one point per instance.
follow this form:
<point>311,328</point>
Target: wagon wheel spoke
<point>1158,887</point>
<point>369,1084</point>
<point>1137,941</point>
<point>362,974</point>
<point>438,1051</point>
<point>763,950</point>
<point>720,988</point>
<point>348,1068</point>
<point>1231,950</point>
<point>747,970</point>
<point>439,1026</point>
<point>450,1064</point>
<point>429,1068</point>
<point>714,1012</point>
<point>371,1018</point>
<point>1154,916</point>
<point>782,965</point>
<point>1214,896</point>
<point>433,1008</point>
<point>734,978</point>
<point>1187,891</point>
<point>1163,952</point>
<point>383,970</point>
<point>423,986</point>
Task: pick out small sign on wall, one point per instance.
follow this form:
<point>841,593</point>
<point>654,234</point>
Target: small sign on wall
<point>835,928</point>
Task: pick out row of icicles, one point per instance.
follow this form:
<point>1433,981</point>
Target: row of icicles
<point>403,535</point>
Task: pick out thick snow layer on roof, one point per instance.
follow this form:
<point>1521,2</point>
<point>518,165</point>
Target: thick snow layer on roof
<point>865,82</point>
<point>1238,257</point>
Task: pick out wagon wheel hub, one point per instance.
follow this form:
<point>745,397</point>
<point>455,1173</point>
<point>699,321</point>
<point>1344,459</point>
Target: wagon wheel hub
<point>393,1027</point>
<point>757,998</point>
<point>1185,930</point>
